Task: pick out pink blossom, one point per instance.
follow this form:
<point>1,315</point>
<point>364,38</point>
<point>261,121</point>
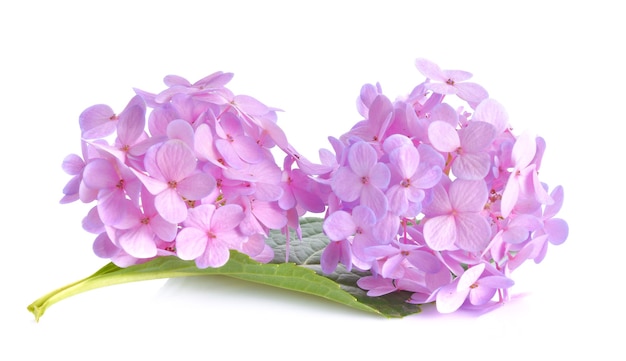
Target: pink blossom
<point>474,285</point>
<point>413,177</point>
<point>523,181</point>
<point>451,82</point>
<point>173,179</point>
<point>140,239</point>
<point>454,217</point>
<point>468,147</point>
<point>118,190</point>
<point>208,234</point>
<point>363,178</point>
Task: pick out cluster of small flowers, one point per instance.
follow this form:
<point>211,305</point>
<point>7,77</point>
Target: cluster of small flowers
<point>439,201</point>
<point>199,181</point>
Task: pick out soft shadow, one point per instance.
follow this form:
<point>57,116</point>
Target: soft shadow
<point>470,311</point>
<point>250,295</point>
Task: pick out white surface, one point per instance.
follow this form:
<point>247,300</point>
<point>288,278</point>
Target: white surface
<point>559,71</point>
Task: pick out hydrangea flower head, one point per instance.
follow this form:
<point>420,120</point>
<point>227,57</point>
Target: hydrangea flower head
<point>444,202</point>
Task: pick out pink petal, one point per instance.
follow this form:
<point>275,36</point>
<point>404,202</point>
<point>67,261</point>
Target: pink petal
<point>427,176</point>
<point>362,158</point>
<point>131,124</point>
<point>138,242</point>
<point>470,276</point>
<point>391,268</point>
<point>375,199</point>
<point>339,226</point>
<point>496,282</point>
<point>445,112</point>
<point>429,69</point>
<point>425,261</point>
<point>509,196</point>
<point>171,206</point>
<point>346,185</point>
<point>468,195</point>
<point>97,121</point>
<point>100,174</point>
<point>380,111</point>
<point>471,166</point>
<point>557,230</point>
<point>215,255</point>
<point>552,209</point>
<point>457,75</point>
<point>190,243</point>
<point>181,130</point>
<point>196,186</point>
<point>250,105</point>
<point>398,199</point>
<point>226,217</point>
<point>334,253</point>
<point>443,136</point>
<point>200,217</point>
<point>163,229</point>
<point>471,92</point>
<point>477,136</point>
<point>175,160</point>
<point>386,229</point>
<point>204,146</point>
<point>215,80</point>
<point>228,153</point>
<point>473,232</point>
<point>379,175</point>
<point>116,210</point>
<point>481,295</point>
<point>270,215</point>
<point>172,80</point>
<point>103,247</point>
<point>248,149</point>
<point>440,203</point>
<point>73,164</point>
<point>523,150</point>
<point>407,159</point>
<point>440,232</point>
<point>449,299</point>
<point>442,88</point>
<point>492,112</point>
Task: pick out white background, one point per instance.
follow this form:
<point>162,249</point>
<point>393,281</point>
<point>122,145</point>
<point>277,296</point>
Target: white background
<point>558,68</point>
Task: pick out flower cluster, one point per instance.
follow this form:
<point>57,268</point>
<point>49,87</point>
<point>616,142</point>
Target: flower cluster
<point>194,177</point>
<point>440,200</point>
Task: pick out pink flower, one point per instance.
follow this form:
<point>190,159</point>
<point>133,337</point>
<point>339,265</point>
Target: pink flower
<point>236,147</point>
<point>209,233</point>
<point>363,178</point>
<point>413,177</point>
<point>173,179</point>
<point>454,217</point>
<point>140,239</point>
<point>451,82</point>
<point>472,284</point>
<point>523,181</point>
<point>97,121</point>
<point>118,190</point>
<point>468,147</point>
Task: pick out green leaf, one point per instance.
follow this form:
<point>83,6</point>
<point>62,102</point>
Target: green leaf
<point>301,274</point>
